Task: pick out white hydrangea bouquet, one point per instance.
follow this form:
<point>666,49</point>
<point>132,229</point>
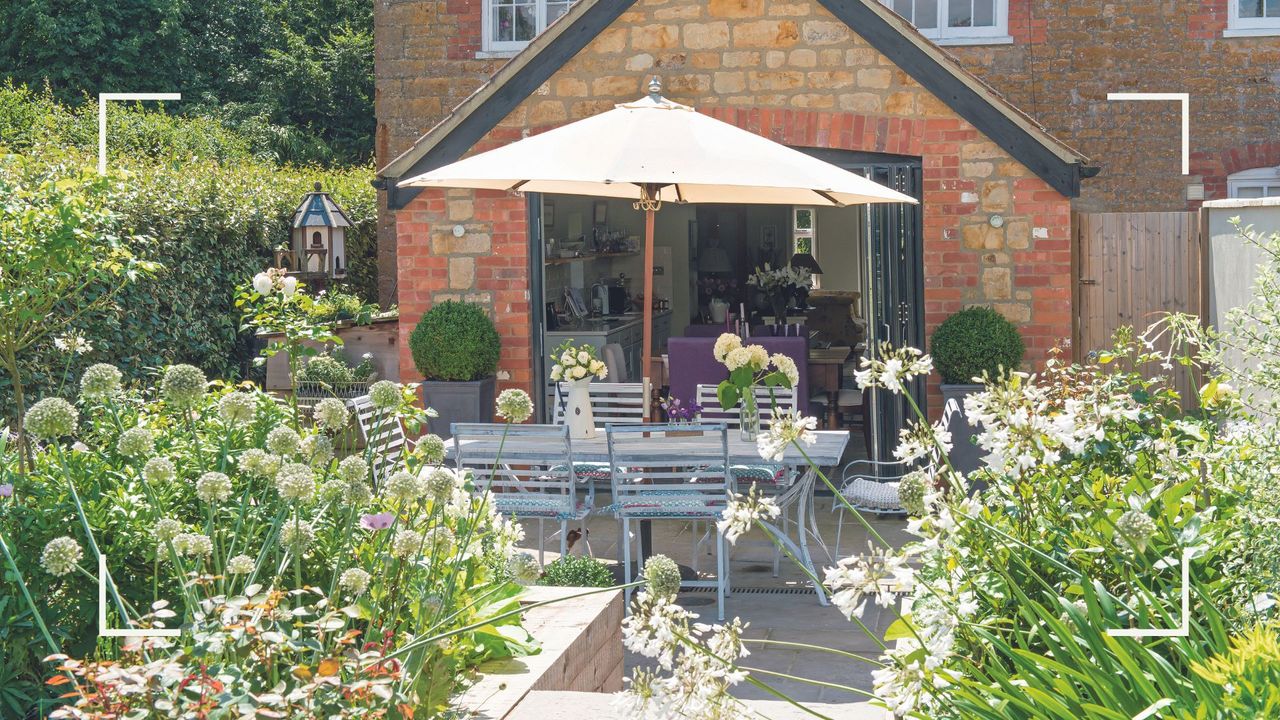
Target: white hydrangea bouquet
<point>750,366</point>
<point>577,366</point>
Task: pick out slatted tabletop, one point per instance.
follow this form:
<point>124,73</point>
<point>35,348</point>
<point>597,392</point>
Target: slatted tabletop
<point>826,451</point>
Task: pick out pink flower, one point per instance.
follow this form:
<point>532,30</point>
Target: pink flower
<point>377,521</point>
<point>6,490</point>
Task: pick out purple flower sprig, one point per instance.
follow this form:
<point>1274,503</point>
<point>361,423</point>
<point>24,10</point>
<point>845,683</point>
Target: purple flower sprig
<point>678,412</point>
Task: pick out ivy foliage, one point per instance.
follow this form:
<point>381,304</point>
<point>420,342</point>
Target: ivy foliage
<point>211,213</point>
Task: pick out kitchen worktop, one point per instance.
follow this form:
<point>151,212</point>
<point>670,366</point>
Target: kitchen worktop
<point>603,325</point>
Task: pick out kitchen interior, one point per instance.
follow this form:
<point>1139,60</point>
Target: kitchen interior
<point>703,256</point>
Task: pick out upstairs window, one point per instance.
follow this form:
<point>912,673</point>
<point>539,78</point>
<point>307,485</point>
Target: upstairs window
<point>509,25</point>
<point>1256,183</point>
<point>1253,17</point>
<point>957,22</point>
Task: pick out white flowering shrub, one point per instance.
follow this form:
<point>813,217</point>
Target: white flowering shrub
<point>216,513</point>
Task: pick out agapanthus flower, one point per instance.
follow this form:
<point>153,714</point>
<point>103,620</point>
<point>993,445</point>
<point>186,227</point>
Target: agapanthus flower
<point>743,511</point>
<point>213,487</point>
<point>296,482</point>
<point>297,535</point>
<point>237,408</point>
<point>51,418</point>
<point>877,575</point>
<point>662,576</point>
<point>136,442</point>
<point>183,386</point>
<point>283,441</point>
<point>431,448</point>
<point>385,395</point>
<point>524,568</point>
<point>317,449</point>
<point>354,581</point>
<point>240,565</point>
<point>787,427</point>
<point>60,556</point>
<point>892,367</point>
<point>166,529</point>
<point>353,469</point>
<point>407,544</point>
<point>377,521</point>
<point>193,545</point>
<point>921,439</point>
<point>1135,528</point>
<point>100,382</point>
<point>515,405</point>
<point>331,415</point>
<point>259,463</point>
<point>72,344</point>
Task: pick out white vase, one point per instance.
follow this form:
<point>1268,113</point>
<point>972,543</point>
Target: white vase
<point>577,410</point>
<point>718,309</point>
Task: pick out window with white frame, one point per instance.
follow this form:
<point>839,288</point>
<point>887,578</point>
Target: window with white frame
<point>957,21</point>
<point>1253,17</point>
<point>511,24</point>
<point>1256,183</point>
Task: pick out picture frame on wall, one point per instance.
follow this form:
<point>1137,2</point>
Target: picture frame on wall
<point>548,213</point>
<point>768,239</point>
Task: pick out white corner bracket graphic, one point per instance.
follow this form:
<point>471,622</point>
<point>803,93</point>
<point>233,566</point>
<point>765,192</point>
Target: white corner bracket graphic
<point>103,630</point>
<point>1182,630</point>
<point>102,118</point>
<point>1185,99</point>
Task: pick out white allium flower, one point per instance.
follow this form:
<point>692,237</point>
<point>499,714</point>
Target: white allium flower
<point>240,565</point>
<point>431,448</point>
<point>354,581</point>
<point>912,491</point>
<point>317,449</point>
<point>385,395</point>
<point>100,382</point>
<point>297,536</point>
<point>193,545</point>
<point>515,405</point>
<point>183,386</point>
<point>726,343</point>
<point>296,482</point>
<point>262,283</point>
<point>51,418</point>
<point>237,408</point>
<point>284,441</point>
<point>159,471</point>
<point>438,541</point>
<point>403,486</point>
<point>331,415</point>
<point>1135,528</point>
<point>213,487</point>
<point>60,556</point>
<point>406,544</point>
<point>524,568</point>
<point>440,483</point>
<point>136,442</point>
<point>353,469</point>
<point>785,365</point>
<point>787,427</point>
<point>167,529</point>
<point>661,576</point>
<point>259,463</point>
<point>742,513</point>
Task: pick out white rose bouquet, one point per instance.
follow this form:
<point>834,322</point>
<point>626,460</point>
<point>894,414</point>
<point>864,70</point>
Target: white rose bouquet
<point>575,363</point>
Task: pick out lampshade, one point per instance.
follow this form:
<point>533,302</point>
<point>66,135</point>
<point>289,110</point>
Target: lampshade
<point>714,259</point>
<point>806,261</point>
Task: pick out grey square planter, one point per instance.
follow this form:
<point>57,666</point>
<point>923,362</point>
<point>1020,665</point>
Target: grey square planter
<point>965,455</point>
<point>458,402</point>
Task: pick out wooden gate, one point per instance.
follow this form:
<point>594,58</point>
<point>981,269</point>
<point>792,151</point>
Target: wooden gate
<point>1132,268</point>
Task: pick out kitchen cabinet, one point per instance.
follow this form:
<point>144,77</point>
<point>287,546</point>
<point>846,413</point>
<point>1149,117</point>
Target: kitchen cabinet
<point>627,331</point>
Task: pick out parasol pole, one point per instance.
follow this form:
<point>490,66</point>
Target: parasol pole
<point>650,206</point>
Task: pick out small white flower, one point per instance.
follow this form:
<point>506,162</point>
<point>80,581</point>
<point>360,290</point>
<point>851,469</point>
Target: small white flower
<point>213,487</point>
<point>743,511</point>
<point>354,581</point>
<point>166,529</point>
<point>240,565</point>
<point>72,344</point>
<point>259,463</point>
<point>193,545</point>
<point>331,415</point>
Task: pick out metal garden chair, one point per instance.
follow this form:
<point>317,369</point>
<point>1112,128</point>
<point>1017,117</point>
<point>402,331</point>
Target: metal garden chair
<point>383,434</point>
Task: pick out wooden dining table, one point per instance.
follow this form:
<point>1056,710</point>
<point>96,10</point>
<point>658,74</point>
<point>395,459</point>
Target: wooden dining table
<point>826,366</point>
<point>794,496</point>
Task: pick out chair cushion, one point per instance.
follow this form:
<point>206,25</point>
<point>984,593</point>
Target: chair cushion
<point>539,506</point>
<point>871,495</point>
<point>674,505</point>
<point>772,474</point>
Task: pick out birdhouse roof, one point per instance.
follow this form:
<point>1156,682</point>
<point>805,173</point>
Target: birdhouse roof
<point>319,210</point>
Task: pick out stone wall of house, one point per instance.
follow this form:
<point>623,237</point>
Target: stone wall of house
<point>1067,56</point>
<point>790,71</point>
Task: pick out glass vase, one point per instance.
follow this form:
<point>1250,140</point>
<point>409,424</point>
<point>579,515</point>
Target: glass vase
<point>749,414</point>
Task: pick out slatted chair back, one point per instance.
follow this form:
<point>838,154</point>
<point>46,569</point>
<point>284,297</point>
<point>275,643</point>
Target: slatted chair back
<point>619,403</point>
<point>526,469</point>
<point>712,412</point>
<point>663,470</point>
<point>382,433</point>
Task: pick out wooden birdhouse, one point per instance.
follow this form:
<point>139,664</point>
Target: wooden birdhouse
<point>317,243</point>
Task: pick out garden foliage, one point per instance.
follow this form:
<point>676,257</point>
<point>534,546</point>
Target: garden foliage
<point>455,341</point>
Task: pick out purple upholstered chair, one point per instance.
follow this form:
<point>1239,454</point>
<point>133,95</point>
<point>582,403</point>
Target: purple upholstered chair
<point>692,363</point>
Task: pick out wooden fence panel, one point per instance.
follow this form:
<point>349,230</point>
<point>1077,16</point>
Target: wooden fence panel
<point>1131,269</point>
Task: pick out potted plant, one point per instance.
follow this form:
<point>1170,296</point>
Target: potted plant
<point>780,286</point>
<point>577,366</point>
<point>971,345</point>
<point>456,348</point>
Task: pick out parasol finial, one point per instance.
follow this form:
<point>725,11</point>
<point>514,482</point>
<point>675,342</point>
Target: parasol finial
<point>655,88</point>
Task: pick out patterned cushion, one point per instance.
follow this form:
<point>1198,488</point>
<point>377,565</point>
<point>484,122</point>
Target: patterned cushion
<point>772,474</point>
<point>656,505</point>
<point>537,505</point>
<point>871,495</point>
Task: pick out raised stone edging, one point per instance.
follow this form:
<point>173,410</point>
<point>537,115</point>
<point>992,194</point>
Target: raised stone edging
<point>581,641</point>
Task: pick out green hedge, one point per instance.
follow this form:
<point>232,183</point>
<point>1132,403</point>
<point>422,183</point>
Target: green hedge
<point>212,214</point>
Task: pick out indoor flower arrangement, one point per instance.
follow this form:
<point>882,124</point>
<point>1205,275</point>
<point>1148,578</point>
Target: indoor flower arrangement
<point>780,286</point>
<point>750,366</point>
<point>577,366</point>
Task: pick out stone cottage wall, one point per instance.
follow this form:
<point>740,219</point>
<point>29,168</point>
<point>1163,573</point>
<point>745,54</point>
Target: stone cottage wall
<point>791,72</point>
